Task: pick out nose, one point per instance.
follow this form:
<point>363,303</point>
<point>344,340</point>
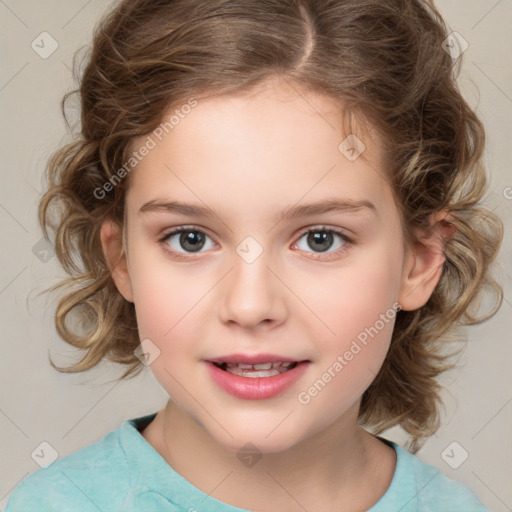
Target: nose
<point>251,295</point>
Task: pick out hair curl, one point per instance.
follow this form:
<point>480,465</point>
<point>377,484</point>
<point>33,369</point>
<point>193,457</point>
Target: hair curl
<point>382,59</point>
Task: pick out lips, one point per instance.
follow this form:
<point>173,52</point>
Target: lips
<point>255,376</point>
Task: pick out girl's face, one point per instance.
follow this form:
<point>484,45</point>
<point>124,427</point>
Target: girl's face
<point>259,269</point>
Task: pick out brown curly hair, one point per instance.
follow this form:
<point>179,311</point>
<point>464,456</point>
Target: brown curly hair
<point>383,60</point>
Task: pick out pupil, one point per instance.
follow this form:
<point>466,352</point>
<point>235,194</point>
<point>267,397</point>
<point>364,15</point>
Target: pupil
<point>323,238</point>
<point>191,241</point>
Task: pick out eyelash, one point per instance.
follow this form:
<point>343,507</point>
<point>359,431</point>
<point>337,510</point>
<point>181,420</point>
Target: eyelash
<point>348,242</point>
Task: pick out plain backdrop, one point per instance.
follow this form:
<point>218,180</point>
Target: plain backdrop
<point>38,404</point>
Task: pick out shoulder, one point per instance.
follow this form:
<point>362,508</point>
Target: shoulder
<point>92,478</point>
<point>428,489</point>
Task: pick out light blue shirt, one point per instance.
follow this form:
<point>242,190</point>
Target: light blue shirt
<point>122,472</point>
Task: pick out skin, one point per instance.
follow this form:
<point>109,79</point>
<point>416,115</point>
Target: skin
<point>247,157</point>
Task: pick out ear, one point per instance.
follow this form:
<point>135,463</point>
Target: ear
<point>423,263</point>
<point>112,243</point>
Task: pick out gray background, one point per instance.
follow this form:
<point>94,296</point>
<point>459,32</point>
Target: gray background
<point>71,411</point>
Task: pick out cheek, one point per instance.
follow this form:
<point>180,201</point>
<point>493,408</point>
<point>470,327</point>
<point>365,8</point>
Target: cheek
<point>359,307</point>
<point>167,306</point>
<point>165,299</point>
<point>369,294</point>
<point>350,359</point>
<point>359,294</point>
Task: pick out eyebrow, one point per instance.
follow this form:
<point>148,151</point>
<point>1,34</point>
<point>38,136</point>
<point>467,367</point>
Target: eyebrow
<point>302,210</point>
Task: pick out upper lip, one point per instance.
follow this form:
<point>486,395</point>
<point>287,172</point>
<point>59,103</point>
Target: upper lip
<point>253,359</point>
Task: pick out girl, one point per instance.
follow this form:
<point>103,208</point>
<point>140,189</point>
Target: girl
<point>275,205</point>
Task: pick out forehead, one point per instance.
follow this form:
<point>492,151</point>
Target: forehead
<point>275,144</point>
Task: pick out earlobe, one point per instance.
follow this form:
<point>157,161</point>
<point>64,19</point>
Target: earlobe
<point>112,244</point>
<point>423,263</point>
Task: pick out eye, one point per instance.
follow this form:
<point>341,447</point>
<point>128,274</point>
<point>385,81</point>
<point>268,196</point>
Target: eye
<point>322,239</point>
<point>186,240</point>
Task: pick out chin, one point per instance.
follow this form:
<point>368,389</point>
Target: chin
<point>259,438</point>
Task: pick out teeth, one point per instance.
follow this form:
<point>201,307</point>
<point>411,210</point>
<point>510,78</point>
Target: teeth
<point>254,373</point>
<point>257,370</point>
<point>263,366</point>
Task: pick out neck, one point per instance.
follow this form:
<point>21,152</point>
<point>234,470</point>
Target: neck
<point>339,463</point>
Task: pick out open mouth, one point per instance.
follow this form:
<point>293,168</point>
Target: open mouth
<point>256,370</point>
<point>259,381</point>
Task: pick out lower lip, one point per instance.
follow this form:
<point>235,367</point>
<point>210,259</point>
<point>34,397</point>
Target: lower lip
<point>256,388</point>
